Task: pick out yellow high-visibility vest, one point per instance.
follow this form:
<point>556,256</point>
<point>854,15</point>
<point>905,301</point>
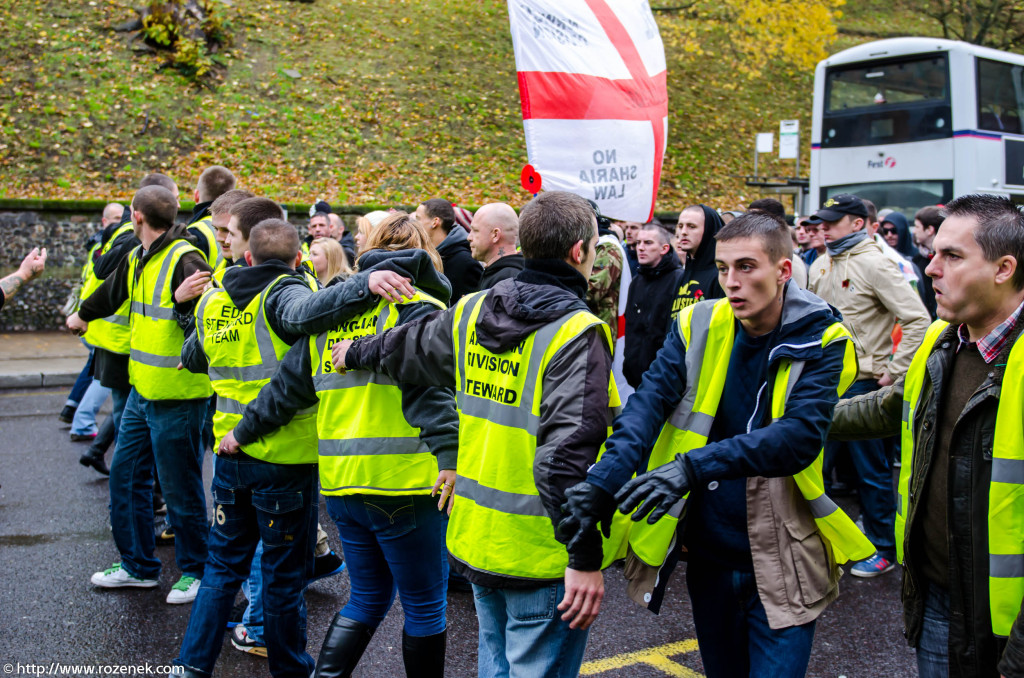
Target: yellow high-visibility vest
<point>366,445</point>
<point>156,338</point>
<point>708,331</point>
<point>111,333</point>
<point>244,352</point>
<point>212,252</point>
<point>1006,488</point>
<point>499,523</point>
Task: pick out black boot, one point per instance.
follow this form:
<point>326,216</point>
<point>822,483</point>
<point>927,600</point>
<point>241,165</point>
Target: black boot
<point>344,644</point>
<point>94,457</point>
<point>424,655</point>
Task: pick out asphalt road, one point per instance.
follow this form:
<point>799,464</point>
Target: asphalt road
<point>54,533</point>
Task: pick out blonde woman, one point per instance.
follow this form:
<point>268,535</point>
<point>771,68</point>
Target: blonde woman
<point>385,449</point>
<point>328,259</point>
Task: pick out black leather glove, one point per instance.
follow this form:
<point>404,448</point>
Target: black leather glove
<point>659,490</point>
<point>586,508</point>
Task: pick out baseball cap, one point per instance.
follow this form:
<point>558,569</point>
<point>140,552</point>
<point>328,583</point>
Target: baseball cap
<point>838,206</point>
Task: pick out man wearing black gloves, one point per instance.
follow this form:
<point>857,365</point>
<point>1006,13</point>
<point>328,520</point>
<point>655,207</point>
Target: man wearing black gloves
<point>729,424</point>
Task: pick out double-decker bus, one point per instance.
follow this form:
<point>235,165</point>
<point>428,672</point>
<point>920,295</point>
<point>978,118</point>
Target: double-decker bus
<point>910,122</point>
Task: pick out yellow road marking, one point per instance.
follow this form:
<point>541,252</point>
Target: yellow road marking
<point>656,657</point>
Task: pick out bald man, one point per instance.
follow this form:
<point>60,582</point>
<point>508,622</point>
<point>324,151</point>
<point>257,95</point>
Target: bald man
<point>493,235</point>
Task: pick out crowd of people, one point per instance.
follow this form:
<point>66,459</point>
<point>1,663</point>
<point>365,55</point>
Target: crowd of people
<point>515,401</point>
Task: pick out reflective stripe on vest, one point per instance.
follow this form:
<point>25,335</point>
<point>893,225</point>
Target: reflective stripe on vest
<point>236,339</point>
<point>212,253</point>
<point>112,333</point>
<point>708,332</point>
<point>366,444</point>
<point>156,338</point>
<point>1006,488</point>
<point>499,523</point>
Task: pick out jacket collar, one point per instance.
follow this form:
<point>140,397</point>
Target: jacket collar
<point>805,317</point>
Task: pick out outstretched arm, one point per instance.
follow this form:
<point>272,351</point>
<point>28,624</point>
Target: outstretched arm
<point>31,266</point>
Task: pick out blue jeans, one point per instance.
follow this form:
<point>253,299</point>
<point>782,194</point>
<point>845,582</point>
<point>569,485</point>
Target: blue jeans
<point>394,543</point>
<point>874,482</point>
<point>257,502</point>
<point>732,627</point>
<point>933,645</point>
<point>83,380</point>
<point>84,421</point>
<point>252,587</point>
<point>522,634</point>
<point>165,433</point>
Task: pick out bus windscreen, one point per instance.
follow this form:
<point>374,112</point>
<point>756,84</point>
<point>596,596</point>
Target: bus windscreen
<point>907,81</point>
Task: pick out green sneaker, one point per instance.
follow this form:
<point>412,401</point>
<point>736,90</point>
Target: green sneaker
<point>117,577</point>
<point>184,591</point>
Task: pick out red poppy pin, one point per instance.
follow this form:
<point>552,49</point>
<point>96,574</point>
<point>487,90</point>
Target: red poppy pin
<point>530,179</point>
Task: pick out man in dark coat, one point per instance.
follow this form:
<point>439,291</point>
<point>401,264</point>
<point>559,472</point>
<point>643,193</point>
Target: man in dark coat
<point>653,300</point>
<point>437,216</point>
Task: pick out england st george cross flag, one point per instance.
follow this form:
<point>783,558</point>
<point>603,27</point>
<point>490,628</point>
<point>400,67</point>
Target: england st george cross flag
<point>592,81</point>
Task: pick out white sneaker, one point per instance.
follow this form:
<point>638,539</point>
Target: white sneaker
<point>117,577</point>
<point>184,591</point>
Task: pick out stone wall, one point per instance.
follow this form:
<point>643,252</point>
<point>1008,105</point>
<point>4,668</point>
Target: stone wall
<point>37,306</point>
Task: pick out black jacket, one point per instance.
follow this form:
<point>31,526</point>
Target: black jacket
<point>430,409</point>
<point>461,269</point>
<point>573,421</point>
<point>651,304</point>
<point>701,274</point>
<point>925,288</point>
<point>505,267</point>
<point>111,368</point>
<point>974,652</point>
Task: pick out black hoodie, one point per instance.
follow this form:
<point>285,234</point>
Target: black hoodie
<point>700,279</point>
<point>574,420</point>
<point>650,308</point>
<point>905,246</point>
<point>430,409</point>
<point>461,269</point>
<point>112,368</point>
<point>508,266</point>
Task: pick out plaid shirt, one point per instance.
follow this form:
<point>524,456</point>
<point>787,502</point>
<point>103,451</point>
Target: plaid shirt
<point>990,345</point>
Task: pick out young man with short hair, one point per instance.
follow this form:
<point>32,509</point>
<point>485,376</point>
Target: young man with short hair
<point>234,340</point>
<point>214,182</point>
<point>960,524</point>
<point>241,337</point>
<point>652,300</point>
<point>437,217</point>
<point>729,424</point>
<point>245,214</point>
<point>220,215</point>
<point>531,367</point>
<point>166,408</point>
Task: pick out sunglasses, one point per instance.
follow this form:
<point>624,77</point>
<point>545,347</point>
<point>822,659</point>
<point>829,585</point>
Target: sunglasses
<point>889,231</point>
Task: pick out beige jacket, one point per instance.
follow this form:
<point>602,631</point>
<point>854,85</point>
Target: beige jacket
<point>796,573</point>
<point>873,296</point>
